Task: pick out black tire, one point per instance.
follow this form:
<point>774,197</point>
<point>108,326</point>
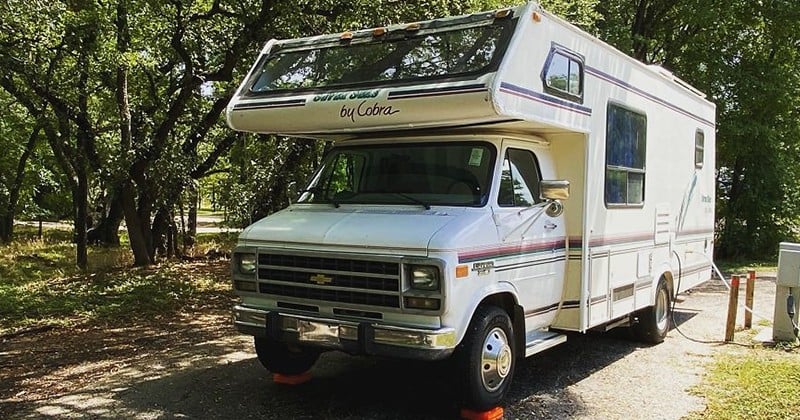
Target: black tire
<point>285,359</point>
<point>653,322</point>
<point>485,359</point>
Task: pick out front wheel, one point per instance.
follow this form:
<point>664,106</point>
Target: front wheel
<point>486,358</point>
<point>283,358</point>
<point>653,321</point>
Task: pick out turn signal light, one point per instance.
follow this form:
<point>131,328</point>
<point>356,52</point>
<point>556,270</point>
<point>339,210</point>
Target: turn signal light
<point>462,271</point>
<point>422,303</point>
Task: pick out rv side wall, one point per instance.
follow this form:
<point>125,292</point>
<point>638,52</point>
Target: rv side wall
<point>663,221</point>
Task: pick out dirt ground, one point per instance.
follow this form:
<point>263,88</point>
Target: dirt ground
<point>196,366</point>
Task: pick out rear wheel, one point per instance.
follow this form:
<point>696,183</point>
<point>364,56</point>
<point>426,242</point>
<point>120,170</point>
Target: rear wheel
<point>284,358</point>
<point>654,321</point>
<point>485,359</point>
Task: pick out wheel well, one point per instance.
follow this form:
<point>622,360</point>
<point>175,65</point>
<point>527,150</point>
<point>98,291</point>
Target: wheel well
<point>507,302</point>
<point>504,301</point>
<point>667,276</point>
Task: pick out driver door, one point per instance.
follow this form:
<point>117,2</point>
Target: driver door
<point>534,255</point>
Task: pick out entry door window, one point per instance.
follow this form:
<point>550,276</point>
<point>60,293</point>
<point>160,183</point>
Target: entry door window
<point>519,179</point>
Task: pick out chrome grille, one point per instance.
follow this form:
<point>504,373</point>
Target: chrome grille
<point>336,280</point>
<point>333,264</point>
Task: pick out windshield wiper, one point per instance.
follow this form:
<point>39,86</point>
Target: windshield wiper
<point>413,199</point>
<point>316,190</point>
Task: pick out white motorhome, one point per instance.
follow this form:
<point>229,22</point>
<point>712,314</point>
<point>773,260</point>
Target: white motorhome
<point>497,179</point>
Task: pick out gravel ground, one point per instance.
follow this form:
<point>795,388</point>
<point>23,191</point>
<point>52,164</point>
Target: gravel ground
<point>204,375</point>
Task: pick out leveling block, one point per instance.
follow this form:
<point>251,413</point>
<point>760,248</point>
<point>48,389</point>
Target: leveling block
<point>492,414</point>
<point>291,379</point>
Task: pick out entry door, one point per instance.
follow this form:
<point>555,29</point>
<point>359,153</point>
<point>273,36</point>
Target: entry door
<point>533,242</point>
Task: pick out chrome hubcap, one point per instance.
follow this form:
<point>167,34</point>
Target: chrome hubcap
<point>496,359</point>
<point>661,309</point>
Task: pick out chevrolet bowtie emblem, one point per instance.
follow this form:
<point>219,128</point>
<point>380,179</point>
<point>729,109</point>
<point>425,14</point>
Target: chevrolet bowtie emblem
<point>321,279</point>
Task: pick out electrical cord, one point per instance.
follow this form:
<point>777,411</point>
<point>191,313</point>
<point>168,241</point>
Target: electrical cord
<point>674,301</point>
<point>728,286</point>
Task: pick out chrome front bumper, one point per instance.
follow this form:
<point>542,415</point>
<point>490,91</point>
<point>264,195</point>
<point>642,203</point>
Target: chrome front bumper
<point>352,337</point>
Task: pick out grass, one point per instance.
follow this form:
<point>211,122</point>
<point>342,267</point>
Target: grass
<point>759,384</point>
<point>743,266</point>
<point>206,211</point>
<point>40,284</point>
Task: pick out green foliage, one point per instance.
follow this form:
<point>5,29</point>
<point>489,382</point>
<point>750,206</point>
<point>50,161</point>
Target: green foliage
<point>754,80</point>
<point>743,266</point>
<point>581,13</point>
<point>758,385</point>
<point>62,61</point>
<point>744,57</point>
<point>40,285</point>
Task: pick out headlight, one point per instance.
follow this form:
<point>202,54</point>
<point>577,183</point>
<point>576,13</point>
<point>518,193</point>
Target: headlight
<point>424,277</point>
<point>246,263</point>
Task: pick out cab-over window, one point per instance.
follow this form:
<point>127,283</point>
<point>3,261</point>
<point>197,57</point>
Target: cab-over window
<point>562,75</point>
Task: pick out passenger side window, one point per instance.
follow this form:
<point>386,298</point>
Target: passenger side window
<point>519,179</point>
<point>563,74</point>
<point>699,148</point>
<point>626,141</point>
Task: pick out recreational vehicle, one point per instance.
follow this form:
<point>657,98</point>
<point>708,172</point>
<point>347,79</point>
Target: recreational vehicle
<point>496,180</point>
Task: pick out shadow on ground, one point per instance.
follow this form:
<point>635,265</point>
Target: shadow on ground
<point>220,378</point>
<point>343,387</point>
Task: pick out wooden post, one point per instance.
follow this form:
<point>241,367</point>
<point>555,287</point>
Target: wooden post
<point>748,298</point>
<point>733,303</point>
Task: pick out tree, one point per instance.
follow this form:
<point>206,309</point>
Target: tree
<point>18,137</point>
<point>743,56</point>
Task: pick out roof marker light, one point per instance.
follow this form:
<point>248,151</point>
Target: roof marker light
<point>412,26</point>
<point>379,32</point>
<point>536,17</point>
<point>346,36</point>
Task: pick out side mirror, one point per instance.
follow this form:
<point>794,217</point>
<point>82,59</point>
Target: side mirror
<point>554,189</point>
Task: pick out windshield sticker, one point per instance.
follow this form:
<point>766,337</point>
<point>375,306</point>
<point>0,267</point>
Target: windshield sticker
<point>366,110</point>
<point>341,96</point>
<point>476,156</point>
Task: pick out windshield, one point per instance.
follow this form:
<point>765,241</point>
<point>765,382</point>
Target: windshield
<point>452,173</point>
<point>394,57</point>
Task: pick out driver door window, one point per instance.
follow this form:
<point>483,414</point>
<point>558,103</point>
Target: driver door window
<point>519,179</point>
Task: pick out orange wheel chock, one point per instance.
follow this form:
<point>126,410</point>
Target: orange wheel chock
<point>291,379</point>
<point>493,414</point>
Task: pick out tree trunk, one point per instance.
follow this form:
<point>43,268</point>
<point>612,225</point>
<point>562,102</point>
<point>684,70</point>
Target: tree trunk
<point>172,238</point>
<point>107,230</point>
<point>141,256</point>
<point>81,203</point>
<point>6,228</point>
<point>160,231</point>
<point>135,224</point>
<point>7,220</point>
<point>191,232</point>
